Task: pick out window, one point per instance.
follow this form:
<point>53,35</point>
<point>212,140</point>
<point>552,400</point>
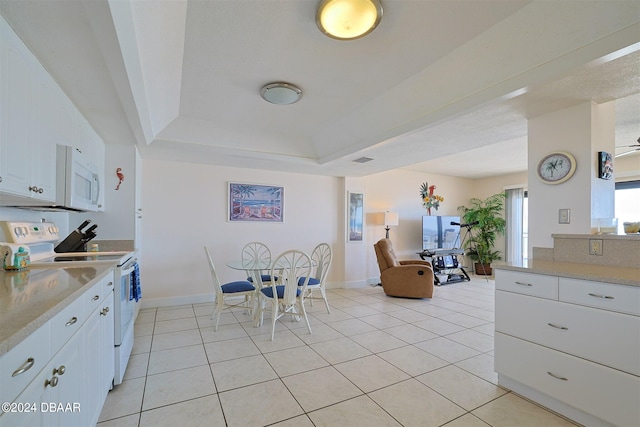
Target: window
<point>627,204</point>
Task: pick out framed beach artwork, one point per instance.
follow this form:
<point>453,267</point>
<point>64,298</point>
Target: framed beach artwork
<point>355,224</point>
<point>255,203</point>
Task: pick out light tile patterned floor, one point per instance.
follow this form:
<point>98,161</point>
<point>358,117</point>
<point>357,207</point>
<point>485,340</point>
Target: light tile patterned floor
<point>374,361</point>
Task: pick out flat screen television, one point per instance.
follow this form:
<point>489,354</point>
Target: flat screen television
<point>439,233</point>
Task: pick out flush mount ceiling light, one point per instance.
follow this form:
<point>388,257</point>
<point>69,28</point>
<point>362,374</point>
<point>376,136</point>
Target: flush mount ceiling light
<point>280,93</point>
<point>348,19</point>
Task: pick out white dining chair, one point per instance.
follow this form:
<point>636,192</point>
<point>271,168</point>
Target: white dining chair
<point>285,297</point>
<point>321,258</point>
<point>258,252</point>
<point>240,288</point>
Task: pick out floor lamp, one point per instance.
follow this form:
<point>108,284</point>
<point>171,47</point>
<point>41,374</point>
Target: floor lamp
<point>390,218</point>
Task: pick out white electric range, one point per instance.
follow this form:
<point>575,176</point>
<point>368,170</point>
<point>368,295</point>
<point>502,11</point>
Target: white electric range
<point>41,237</point>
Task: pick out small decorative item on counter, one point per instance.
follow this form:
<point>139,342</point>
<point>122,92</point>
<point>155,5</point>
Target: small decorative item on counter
<point>21,260</point>
<point>94,248</point>
<point>631,227</point>
<point>430,200</point>
<point>605,225</point>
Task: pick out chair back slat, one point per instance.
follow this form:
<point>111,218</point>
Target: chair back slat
<point>212,268</point>
<point>321,257</point>
<point>256,251</point>
<point>290,266</point>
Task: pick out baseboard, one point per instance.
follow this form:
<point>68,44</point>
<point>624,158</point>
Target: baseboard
<point>551,403</point>
<point>176,300</point>
<point>356,284</point>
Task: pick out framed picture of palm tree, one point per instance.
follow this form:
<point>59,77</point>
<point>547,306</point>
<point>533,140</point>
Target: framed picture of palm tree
<point>355,220</point>
<point>255,203</point>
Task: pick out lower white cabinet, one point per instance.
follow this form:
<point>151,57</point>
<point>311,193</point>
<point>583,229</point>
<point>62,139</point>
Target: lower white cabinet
<point>605,393</point>
<point>100,363</point>
<point>576,351</point>
<point>53,398</point>
<point>71,388</point>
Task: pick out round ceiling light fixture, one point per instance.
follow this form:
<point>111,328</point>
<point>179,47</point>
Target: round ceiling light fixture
<point>348,19</point>
<point>281,93</point>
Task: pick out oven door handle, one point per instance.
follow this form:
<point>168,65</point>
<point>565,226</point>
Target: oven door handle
<point>129,268</point>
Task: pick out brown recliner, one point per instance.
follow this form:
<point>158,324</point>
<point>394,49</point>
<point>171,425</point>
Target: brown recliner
<point>410,279</point>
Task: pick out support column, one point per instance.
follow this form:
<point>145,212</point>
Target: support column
<point>582,130</point>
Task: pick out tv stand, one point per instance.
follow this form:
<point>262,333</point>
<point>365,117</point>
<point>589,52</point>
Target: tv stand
<point>446,266</point>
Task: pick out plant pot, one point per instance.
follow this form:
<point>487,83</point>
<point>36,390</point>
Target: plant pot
<point>483,269</point>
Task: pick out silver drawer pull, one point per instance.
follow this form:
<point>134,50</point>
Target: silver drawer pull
<point>110,284</point>
<point>52,382</point>
<point>558,327</point>
<point>557,377</point>
<point>72,321</point>
<point>28,364</point>
<point>95,298</point>
<point>601,296</point>
<point>104,311</point>
<point>523,284</point>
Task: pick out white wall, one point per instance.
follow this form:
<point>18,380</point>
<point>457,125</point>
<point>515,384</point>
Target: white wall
<point>117,221</point>
<point>185,208</point>
<point>399,191</point>
<point>576,131</point>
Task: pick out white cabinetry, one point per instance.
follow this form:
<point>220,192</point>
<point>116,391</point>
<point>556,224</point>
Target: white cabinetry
<point>100,363</point>
<point>27,159</point>
<point>69,388</point>
<point>35,115</point>
<point>556,344</point>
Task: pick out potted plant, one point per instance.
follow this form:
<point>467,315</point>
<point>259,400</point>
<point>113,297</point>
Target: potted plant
<point>487,223</point>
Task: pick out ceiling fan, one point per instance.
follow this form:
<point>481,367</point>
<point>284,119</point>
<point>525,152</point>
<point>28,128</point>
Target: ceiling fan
<point>634,147</point>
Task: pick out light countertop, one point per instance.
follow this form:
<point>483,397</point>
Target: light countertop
<point>599,273</point>
<point>28,299</point>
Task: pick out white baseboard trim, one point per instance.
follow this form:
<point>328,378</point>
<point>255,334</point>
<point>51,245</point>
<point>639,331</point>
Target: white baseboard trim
<point>177,300</point>
<point>355,284</point>
<point>209,298</point>
<point>551,403</point>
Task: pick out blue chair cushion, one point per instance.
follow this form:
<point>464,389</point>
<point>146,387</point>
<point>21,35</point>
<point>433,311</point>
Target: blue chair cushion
<point>239,286</point>
<point>268,292</point>
<point>264,278</point>
<point>312,281</point>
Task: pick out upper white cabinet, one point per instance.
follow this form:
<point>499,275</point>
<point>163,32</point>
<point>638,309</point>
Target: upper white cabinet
<point>35,116</point>
<point>16,116</point>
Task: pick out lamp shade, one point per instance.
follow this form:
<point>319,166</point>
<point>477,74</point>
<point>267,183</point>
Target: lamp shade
<point>391,218</point>
<point>348,19</point>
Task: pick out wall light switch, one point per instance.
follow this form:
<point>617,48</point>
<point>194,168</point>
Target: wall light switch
<point>564,216</point>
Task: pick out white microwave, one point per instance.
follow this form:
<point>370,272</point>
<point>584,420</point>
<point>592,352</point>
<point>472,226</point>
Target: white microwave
<point>77,180</point>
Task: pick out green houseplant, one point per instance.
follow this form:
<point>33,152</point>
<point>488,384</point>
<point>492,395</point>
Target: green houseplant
<point>480,244</point>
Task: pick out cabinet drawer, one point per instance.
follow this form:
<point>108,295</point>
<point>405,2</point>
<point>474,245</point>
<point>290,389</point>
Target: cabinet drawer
<point>603,392</point>
<point>608,296</point>
<point>23,362</point>
<point>537,285</point>
<point>66,323</point>
<point>98,292</point>
<point>92,298</point>
<point>612,339</point>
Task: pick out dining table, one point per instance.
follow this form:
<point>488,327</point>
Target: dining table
<point>254,270</point>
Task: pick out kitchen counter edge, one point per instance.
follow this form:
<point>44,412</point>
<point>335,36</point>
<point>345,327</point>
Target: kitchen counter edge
<point>599,273</point>
<point>25,331</point>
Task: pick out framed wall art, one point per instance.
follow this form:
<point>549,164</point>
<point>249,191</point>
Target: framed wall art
<point>605,165</point>
<point>255,203</point>
<point>355,220</point>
